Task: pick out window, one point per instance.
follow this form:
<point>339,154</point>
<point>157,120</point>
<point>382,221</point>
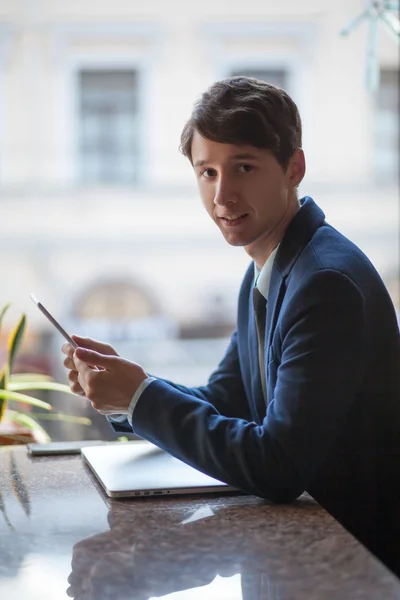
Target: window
<point>278,77</point>
<point>387,130</point>
<point>108,122</point>
<point>116,300</point>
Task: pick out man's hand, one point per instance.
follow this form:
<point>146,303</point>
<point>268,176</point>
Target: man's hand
<point>104,378</point>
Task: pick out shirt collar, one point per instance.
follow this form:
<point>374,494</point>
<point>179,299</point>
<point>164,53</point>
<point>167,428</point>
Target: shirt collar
<point>262,278</point>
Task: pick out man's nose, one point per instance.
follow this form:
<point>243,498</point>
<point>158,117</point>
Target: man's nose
<point>224,192</point>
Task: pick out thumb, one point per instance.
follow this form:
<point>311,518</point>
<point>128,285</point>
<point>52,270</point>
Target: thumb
<point>94,359</point>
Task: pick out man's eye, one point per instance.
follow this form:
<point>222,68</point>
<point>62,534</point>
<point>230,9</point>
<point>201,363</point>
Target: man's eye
<point>207,173</point>
<point>245,168</point>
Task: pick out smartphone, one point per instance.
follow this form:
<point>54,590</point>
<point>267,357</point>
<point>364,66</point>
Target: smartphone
<point>61,447</point>
<point>53,321</point>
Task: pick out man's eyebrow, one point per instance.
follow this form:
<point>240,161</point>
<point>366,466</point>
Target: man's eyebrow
<point>245,156</point>
<point>200,163</point>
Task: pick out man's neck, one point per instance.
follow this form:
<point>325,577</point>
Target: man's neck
<point>260,252</point>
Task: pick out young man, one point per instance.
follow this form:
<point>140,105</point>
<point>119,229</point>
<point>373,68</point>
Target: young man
<point>307,394</point>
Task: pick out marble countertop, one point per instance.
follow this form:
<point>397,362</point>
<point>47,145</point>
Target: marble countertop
<point>61,537</point>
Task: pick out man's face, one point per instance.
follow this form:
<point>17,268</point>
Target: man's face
<point>245,190</point>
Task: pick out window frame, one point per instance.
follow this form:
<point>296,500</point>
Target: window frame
<point>382,175</point>
<point>137,114</point>
<point>297,64</point>
<point>142,60</point>
<point>99,63</point>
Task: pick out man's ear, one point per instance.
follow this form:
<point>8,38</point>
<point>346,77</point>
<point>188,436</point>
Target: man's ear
<point>296,168</point>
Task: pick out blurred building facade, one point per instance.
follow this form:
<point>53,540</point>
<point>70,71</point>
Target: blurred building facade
<point>99,211</point>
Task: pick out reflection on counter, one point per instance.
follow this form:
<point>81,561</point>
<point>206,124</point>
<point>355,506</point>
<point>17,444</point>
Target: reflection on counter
<point>253,553</point>
<point>61,537</point>
<point>19,488</point>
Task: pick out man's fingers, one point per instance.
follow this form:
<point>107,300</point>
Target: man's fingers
<point>69,363</point>
<point>77,389</point>
<point>68,350</point>
<point>93,359</point>
<point>90,344</point>
<point>74,384</point>
<point>73,376</point>
<point>82,383</point>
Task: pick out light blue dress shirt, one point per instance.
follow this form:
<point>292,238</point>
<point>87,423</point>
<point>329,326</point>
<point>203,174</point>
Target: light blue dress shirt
<point>262,279</point>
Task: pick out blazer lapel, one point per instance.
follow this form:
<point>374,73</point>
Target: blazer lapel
<point>275,297</point>
<point>252,344</point>
<point>297,236</point>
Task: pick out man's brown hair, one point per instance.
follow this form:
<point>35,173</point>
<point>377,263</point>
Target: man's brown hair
<point>244,110</point>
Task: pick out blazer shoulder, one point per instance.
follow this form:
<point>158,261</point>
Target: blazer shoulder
<point>330,251</point>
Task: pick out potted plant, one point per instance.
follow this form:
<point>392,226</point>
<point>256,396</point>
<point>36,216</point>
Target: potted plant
<point>19,426</point>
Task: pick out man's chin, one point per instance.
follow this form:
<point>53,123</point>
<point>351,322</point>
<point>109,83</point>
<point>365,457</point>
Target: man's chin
<point>236,243</point>
<point>238,240</point>
<point>235,239</point>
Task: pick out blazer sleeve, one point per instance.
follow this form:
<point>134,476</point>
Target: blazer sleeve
<point>322,332</point>
<point>225,390</point>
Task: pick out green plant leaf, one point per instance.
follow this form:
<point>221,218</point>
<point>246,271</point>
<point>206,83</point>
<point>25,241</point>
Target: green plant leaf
<point>24,377</point>
<point>3,386</point>
<point>61,417</point>
<point>24,398</point>
<point>42,435</point>
<point>3,312</point>
<point>44,385</point>
<point>4,373</point>
<point>14,341</point>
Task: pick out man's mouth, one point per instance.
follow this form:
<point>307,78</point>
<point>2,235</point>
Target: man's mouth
<point>233,220</point>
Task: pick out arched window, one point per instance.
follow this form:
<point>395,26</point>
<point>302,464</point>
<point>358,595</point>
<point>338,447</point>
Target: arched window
<point>115,300</point>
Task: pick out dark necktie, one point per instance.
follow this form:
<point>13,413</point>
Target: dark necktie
<point>259,305</point>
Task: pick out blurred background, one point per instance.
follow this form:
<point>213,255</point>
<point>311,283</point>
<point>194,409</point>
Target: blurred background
<point>99,212</point>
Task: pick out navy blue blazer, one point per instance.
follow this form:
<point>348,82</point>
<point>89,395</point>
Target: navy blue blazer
<point>331,425</point>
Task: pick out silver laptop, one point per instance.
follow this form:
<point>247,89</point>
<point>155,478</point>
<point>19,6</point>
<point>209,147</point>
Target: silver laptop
<point>141,469</point>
